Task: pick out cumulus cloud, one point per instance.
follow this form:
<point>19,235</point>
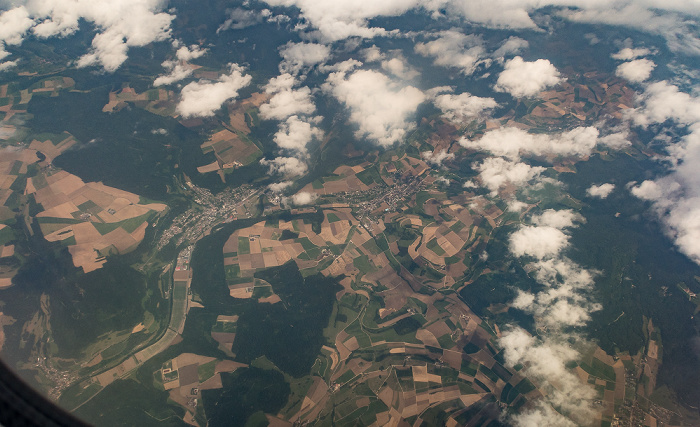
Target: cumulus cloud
<point>373,54</point>
<point>463,107</point>
<point>662,101</point>
<point>179,69</point>
<point>495,173</point>
<point>347,18</point>
<point>286,166</point>
<point>436,158</point>
<point>512,45</point>
<point>541,415</point>
<point>546,360</point>
<point>294,134</point>
<point>185,53</point>
<point>279,187</point>
<point>7,65</point>
<point>343,19</point>
<point>304,198</point>
<point>392,62</point>
<point>14,24</point>
<point>655,17</point>
<point>125,23</point>
<point>561,219</point>
<point>650,190</point>
<point>675,197</point>
<point>616,141</point>
<point>286,101</point>
<point>538,242</point>
<point>544,239</point>
<point>298,56</point>
<point>635,71</point>
<point>628,53</point>
<point>512,143</point>
<point>563,302</point>
<point>294,107</point>
<point>452,48</point>
<point>203,98</point>
<point>601,191</point>
<point>399,68</point>
<point>516,205</point>
<point>380,107</point>
<point>239,18</point>
<point>521,78</point>
<point>122,24</point>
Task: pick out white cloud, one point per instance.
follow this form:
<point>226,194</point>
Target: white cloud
<point>126,23</point>
<point>279,187</point>
<point>295,133</point>
<point>616,141</point>
<point>521,78</point>
<point>512,45</point>
<point>649,190</point>
<point>343,19</point>
<point>635,71</point>
<point>179,69</point>
<point>399,68</point>
<point>373,54</point>
<point>286,101</point>
<point>239,18</point>
<point>392,62</point>
<point>512,143</point>
<point>455,49</point>
<point>628,53</point>
<point>346,18</point>
<point>463,107</point>
<point>287,166</point>
<point>185,53</point>
<point>294,107</point>
<point>538,241</point>
<point>495,173</point>
<point>176,73</point>
<point>304,198</point>
<point>203,98</point>
<point>600,191</point>
<point>516,205</point>
<point>541,415</point>
<point>546,361</point>
<point>436,158</point>
<point>7,65</point>
<point>280,83</point>
<point>676,196</point>
<point>564,302</point>
<point>121,24</point>
<point>443,180</point>
<point>298,56</point>
<point>652,16</point>
<point>380,107</point>
<point>561,219</point>
<point>662,101</point>
<point>14,24</point>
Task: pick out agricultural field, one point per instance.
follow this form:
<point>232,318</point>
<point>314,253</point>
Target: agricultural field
<point>91,219</point>
<point>157,101</point>
<point>231,151</point>
<point>403,348</point>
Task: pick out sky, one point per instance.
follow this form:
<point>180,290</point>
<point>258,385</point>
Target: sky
<point>381,92</point>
